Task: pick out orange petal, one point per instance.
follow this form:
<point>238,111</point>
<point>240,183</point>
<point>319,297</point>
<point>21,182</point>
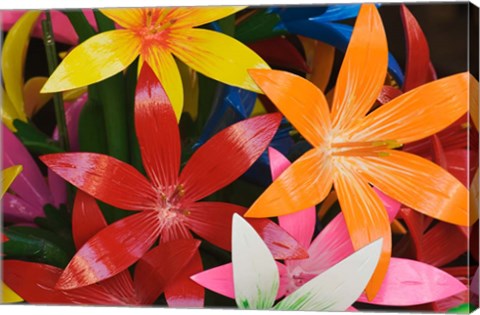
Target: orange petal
<point>419,184</point>
<point>366,220</point>
<point>322,65</point>
<point>302,103</point>
<point>195,16</point>
<point>302,185</point>
<point>127,18</point>
<point>418,113</point>
<point>34,101</point>
<point>363,70</point>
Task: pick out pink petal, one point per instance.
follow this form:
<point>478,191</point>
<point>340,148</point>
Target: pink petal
<point>58,187</point>
<point>410,282</point>
<point>29,184</point>
<point>17,210</point>
<point>301,224</point>
<point>220,280</point>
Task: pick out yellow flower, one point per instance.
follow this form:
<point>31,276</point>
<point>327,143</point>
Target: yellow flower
<point>156,35</point>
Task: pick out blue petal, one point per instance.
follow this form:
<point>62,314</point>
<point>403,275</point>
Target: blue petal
<point>337,35</point>
<point>338,12</point>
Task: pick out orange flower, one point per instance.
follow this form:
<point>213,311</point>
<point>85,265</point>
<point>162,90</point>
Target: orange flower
<point>353,150</point>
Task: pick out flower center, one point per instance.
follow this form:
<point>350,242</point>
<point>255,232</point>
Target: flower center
<point>341,146</point>
<point>170,209</point>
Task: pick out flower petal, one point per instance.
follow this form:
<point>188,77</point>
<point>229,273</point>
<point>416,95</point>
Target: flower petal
<point>157,132</point>
<point>363,211</point>
<point>87,219</point>
<point>105,178</point>
<point>227,155</point>
<point>418,184</point>
<point>127,18</point>
<point>320,58</point>
<point>302,103</point>
<point>337,288</point>
<point>8,296</point>
<point>304,184</point>
<point>187,17</point>
<point>281,244</point>
<point>415,115</point>
<point>30,183</point>
<point>442,244</point>
<point>212,221</point>
<point>160,266</point>
<point>417,67</point>
<point>94,60</point>
<point>166,69</point>
<point>255,274</point>
<point>363,70</point>
<point>183,292</point>
<point>34,282</point>
<point>14,52</point>
<point>18,210</point>
<point>217,56</point>
<point>410,282</point>
<point>301,224</point>
<point>8,176</point>
<point>34,101</point>
<point>111,251</point>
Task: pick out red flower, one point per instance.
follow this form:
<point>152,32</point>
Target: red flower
<point>157,270</point>
<point>169,203</point>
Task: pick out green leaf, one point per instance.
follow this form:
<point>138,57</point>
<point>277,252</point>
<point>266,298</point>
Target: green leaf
<point>37,245</point>
<point>462,309</point>
<point>207,93</point>
<point>227,25</point>
<point>91,131</point>
<point>260,25</point>
<point>34,139</point>
<point>80,24</point>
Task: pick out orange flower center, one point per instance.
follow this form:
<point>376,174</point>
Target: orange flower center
<point>374,148</point>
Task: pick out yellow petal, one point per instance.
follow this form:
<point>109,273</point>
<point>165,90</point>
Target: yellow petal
<point>363,70</point>
<point>8,296</point>
<point>127,18</point>
<point>94,60</point>
<point>195,16</point>
<point>419,184</point>
<point>190,89</point>
<point>72,95</point>
<point>9,113</point>
<point>366,220</point>
<point>14,52</point>
<point>34,101</point>
<point>8,176</point>
<point>302,103</point>
<point>162,63</point>
<point>258,108</point>
<point>302,185</point>
<point>417,114</point>
<point>218,56</point>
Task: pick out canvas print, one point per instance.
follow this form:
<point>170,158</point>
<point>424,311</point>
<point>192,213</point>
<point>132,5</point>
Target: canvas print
<point>310,158</point>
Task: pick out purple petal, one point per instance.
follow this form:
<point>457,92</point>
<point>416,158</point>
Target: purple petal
<point>17,210</point>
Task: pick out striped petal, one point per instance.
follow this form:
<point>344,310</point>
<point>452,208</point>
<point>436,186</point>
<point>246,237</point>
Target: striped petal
<point>157,132</point>
<point>304,184</point>
<point>94,60</point>
<point>337,288</point>
<point>363,70</point>
<point>87,219</point>
<point>302,103</point>
<point>105,178</point>
<point>410,282</point>
<point>217,56</point>
<point>111,251</point>
<point>363,211</point>
<point>416,114</point>
<point>187,17</point>
<point>165,67</point>
<point>255,274</point>
<point>418,184</point>
<point>14,52</point>
<point>127,18</point>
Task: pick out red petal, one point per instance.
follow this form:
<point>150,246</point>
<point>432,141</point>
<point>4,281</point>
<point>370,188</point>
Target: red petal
<point>33,282</point>
<point>111,251</point>
<point>227,155</point>
<point>443,243</point>
<point>458,162</point>
<point>87,219</point>
<point>387,94</point>
<point>105,178</point>
<point>160,266</point>
<point>120,287</point>
<point>417,68</point>
<point>184,292</point>
<point>411,245</point>
<point>438,152</point>
<point>213,221</point>
<point>157,131</point>
<point>281,244</point>
<point>4,238</point>
<point>280,53</point>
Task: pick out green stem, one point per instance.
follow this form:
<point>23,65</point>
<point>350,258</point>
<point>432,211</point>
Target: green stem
<point>52,61</point>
